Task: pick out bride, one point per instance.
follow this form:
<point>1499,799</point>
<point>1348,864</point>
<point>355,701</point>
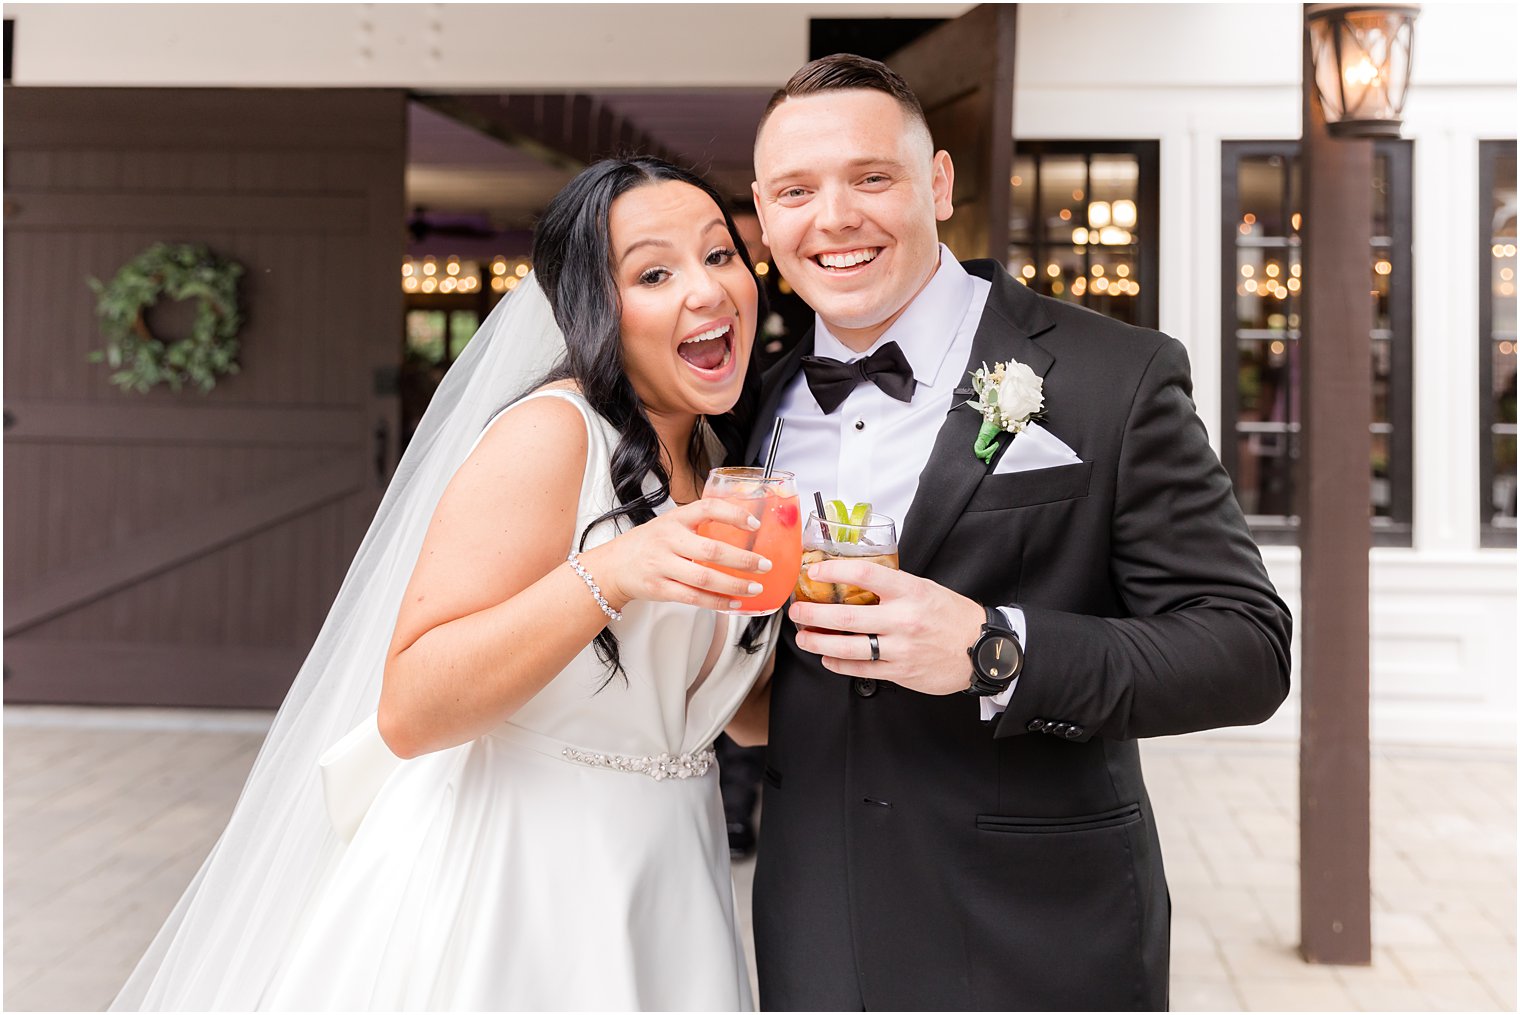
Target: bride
<point>528,624</point>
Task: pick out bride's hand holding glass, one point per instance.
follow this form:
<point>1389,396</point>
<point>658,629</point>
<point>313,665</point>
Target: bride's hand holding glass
<point>667,560</point>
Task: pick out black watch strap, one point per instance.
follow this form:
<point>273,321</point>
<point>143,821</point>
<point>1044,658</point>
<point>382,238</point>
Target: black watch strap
<point>997,626</point>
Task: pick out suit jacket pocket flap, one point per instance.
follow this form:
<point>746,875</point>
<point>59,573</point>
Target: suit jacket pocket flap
<point>1038,486</point>
<point>1080,823</point>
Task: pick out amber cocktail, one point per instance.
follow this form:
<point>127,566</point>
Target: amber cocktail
<point>873,540</point>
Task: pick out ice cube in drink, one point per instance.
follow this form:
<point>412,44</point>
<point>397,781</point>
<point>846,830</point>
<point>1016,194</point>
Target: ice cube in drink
<point>873,539</point>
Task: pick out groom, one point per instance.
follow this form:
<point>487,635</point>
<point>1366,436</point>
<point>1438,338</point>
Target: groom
<point>954,812</point>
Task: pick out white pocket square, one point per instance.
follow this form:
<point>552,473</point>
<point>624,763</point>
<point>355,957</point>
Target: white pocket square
<point>1035,448</point>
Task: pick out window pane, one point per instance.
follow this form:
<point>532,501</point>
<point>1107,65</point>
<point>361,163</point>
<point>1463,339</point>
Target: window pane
<point>1382,289</point>
<point>1381,201</point>
<point>1111,285</point>
<point>1075,228</point>
<point>1266,288</point>
<point>1382,378</point>
<point>1267,374</point>
<point>1264,480</point>
<point>1382,485</point>
<point>1061,177</point>
<point>1501,339</point>
<point>1504,433</point>
<point>1021,263</point>
<point>462,327</point>
<point>1056,277</point>
<point>424,335</point>
<point>1503,506</point>
<point>1261,188</point>
<point>1504,382</point>
<point>1262,295</point>
<point>1502,250</point>
<point>1021,214</point>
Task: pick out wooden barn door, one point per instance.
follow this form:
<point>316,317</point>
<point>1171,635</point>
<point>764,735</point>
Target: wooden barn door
<point>962,72</point>
<point>180,548</point>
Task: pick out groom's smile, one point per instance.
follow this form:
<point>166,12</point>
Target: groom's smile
<point>842,262</point>
<point>849,190</point>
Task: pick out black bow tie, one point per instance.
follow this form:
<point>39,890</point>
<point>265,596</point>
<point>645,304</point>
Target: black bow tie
<point>832,380</point>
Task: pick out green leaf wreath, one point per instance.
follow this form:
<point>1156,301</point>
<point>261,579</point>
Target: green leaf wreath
<point>141,359</point>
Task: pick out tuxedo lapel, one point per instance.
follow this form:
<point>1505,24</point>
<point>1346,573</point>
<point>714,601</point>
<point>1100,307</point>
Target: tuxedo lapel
<point>772,386</point>
<point>1012,318</point>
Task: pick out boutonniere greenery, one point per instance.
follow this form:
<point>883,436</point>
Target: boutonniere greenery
<point>1010,396</point>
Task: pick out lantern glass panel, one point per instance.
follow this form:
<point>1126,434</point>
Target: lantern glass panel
<point>1361,67</point>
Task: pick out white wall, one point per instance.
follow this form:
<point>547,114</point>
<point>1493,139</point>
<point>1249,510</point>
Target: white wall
<point>1443,611</point>
<point>492,47</point>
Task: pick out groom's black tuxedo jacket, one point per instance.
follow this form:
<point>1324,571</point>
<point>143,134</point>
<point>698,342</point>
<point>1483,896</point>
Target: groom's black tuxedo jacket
<point>914,857</point>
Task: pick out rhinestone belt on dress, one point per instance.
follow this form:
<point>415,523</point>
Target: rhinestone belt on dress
<point>656,766</point>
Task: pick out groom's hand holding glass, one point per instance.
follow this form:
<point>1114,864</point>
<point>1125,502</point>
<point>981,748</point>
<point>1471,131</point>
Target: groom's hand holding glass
<point>922,629</point>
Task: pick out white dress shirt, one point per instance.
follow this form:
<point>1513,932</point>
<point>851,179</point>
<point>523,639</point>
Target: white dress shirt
<point>873,447</point>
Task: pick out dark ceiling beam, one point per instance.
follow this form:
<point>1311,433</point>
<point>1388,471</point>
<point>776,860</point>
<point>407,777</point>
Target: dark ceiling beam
<point>567,131</point>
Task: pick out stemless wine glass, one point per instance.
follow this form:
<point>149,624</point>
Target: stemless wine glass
<point>873,540</point>
<point>773,500</point>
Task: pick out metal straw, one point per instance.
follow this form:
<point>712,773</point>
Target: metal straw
<point>770,458</point>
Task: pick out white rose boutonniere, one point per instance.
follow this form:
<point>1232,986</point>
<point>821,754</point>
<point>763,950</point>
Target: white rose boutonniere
<point>1010,396</point>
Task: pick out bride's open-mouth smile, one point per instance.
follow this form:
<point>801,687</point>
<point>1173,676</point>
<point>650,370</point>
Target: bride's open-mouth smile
<point>709,351</point>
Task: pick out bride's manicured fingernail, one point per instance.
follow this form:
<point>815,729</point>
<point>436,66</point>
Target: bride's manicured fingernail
<point>755,588</point>
<point>734,604</point>
<point>754,522</point>
<point>763,566</point>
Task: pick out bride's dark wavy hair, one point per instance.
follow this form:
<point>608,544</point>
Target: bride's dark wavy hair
<point>572,258</point>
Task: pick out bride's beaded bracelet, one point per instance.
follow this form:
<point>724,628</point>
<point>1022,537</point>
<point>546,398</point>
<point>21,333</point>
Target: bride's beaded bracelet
<point>596,590</point>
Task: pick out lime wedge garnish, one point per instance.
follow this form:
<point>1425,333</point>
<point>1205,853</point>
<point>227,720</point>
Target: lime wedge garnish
<point>859,513</point>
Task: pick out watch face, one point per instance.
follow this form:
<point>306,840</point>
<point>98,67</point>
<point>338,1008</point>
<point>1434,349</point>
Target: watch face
<point>998,657</point>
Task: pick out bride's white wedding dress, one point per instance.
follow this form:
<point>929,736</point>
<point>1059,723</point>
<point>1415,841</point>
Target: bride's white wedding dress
<point>575,858</point>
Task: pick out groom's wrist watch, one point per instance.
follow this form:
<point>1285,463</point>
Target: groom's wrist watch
<point>996,657</point>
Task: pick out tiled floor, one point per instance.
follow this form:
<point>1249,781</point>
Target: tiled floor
<point>108,814</point>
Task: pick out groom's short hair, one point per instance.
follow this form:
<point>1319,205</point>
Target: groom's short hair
<point>844,72</point>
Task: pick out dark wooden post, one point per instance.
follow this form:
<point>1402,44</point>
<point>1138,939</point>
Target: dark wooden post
<point>1335,536</point>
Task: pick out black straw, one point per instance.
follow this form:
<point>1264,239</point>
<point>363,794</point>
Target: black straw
<point>823,526</point>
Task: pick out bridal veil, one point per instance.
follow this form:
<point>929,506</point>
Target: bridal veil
<point>229,930</point>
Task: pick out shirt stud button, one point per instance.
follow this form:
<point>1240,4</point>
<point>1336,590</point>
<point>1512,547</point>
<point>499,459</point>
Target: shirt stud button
<point>860,424</point>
